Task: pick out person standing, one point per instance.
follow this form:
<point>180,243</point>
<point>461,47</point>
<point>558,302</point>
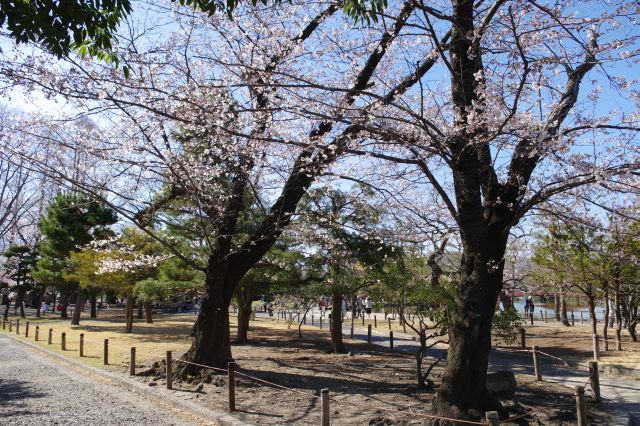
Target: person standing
<point>369,306</point>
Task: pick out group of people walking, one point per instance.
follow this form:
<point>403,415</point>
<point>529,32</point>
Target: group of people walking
<point>360,306</point>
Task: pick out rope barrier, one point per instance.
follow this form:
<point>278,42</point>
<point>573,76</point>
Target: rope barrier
<point>224,370</point>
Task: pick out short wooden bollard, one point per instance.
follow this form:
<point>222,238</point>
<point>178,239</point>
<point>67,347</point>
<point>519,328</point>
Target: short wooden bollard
<point>17,326</point>
<point>573,319</point>
<point>531,318</point>
<point>81,345</point>
<point>581,406</point>
<point>231,379</point>
<point>391,340</point>
<point>375,321</point>
<point>105,352</point>
<point>50,339</point>
<point>325,419</point>
<point>492,418</point>
<point>37,332</point>
<point>594,378</point>
<point>536,363</point>
<point>10,325</point>
<point>596,348</point>
<point>169,371</point>
<point>311,320</point>
<point>523,339</point>
<point>385,315</point>
<point>389,321</point>
<point>26,330</point>
<point>4,325</point>
<point>63,341</point>
<point>320,323</point>
<point>545,316</point>
<point>369,334</point>
<point>132,362</point>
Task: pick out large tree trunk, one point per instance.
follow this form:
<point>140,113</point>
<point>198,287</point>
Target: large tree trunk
<point>557,307</point>
<point>94,302</point>
<point>592,313</point>
<point>148,306</point>
<point>563,310</point>
<point>245,300</point>
<point>337,345</point>
<point>20,303</point>
<point>463,393</point>
<point>211,344</point>
<point>64,301</point>
<point>129,313</point>
<point>605,328</point>
<point>75,320</point>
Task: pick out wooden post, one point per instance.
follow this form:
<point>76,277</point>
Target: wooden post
<point>311,320</point>
<point>363,319</point>
<point>375,321</point>
<point>4,324</point>
<point>594,377</point>
<point>37,332</point>
<point>63,341</point>
<point>581,407</point>
<point>10,325</point>
<point>369,334</point>
<point>26,330</point>
<point>325,419</point>
<point>50,340</point>
<point>232,385</point>
<point>573,319</point>
<point>492,417</point>
<point>132,362</point>
<point>391,340</point>
<point>596,348</point>
<point>389,321</point>
<point>531,318</point>
<point>523,339</point>
<point>106,352</point>
<point>17,326</point>
<point>536,363</point>
<point>81,345</point>
<point>545,315</point>
<point>169,371</point>
<point>320,323</point>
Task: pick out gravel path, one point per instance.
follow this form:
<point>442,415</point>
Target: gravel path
<point>38,390</point>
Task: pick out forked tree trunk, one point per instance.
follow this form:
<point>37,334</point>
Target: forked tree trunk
<point>245,300</point>
<point>78,310</point>
<point>337,345</point>
<point>94,303</point>
<point>149,312</point>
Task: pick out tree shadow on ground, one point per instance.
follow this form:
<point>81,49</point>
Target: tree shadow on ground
<point>13,397</point>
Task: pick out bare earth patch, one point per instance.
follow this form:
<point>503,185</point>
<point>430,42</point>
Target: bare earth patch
<point>369,386</point>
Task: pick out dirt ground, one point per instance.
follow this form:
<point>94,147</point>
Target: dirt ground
<point>575,344</point>
<point>369,386</point>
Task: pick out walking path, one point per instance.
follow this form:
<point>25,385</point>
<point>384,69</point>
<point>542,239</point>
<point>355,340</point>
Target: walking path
<point>624,392</point>
<point>36,390</point>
